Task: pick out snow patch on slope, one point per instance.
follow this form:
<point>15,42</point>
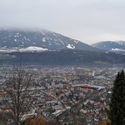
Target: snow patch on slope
<point>117,49</point>
<point>70,46</point>
<point>33,48</point>
<point>28,49</point>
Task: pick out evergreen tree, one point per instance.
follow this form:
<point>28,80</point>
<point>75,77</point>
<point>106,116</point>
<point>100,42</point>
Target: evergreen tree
<point>117,105</point>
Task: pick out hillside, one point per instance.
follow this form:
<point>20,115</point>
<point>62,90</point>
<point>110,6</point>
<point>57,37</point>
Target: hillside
<point>38,40</point>
<point>113,46</point>
<point>63,58</point>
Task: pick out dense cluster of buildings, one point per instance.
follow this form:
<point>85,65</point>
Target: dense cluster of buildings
<point>68,95</point>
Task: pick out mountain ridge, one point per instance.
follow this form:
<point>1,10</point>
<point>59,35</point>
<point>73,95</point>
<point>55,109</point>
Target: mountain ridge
<point>108,45</point>
<point>50,48</point>
<point>111,46</point>
<point>17,39</point>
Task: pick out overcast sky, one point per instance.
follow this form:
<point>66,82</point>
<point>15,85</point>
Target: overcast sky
<point>86,20</point>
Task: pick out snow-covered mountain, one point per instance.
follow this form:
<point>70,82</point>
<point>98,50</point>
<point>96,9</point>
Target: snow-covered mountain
<point>31,40</point>
<point>50,49</point>
<point>113,46</point>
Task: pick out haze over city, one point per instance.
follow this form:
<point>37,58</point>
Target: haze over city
<point>89,21</point>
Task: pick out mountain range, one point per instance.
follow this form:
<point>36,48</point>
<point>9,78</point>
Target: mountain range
<point>49,48</point>
<point>31,40</point>
<point>112,46</point>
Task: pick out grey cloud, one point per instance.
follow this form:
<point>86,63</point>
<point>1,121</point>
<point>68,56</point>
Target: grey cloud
<point>86,20</point>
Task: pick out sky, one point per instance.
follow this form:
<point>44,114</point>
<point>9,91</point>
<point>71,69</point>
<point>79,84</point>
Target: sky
<point>87,20</point>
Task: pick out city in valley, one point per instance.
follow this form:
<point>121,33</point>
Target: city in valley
<point>62,62</point>
<point>74,95</point>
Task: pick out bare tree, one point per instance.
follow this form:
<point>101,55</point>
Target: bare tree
<point>18,86</point>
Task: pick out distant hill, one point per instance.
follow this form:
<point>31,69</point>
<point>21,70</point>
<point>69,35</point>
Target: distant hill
<point>39,40</point>
<point>63,58</point>
<point>113,46</point>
